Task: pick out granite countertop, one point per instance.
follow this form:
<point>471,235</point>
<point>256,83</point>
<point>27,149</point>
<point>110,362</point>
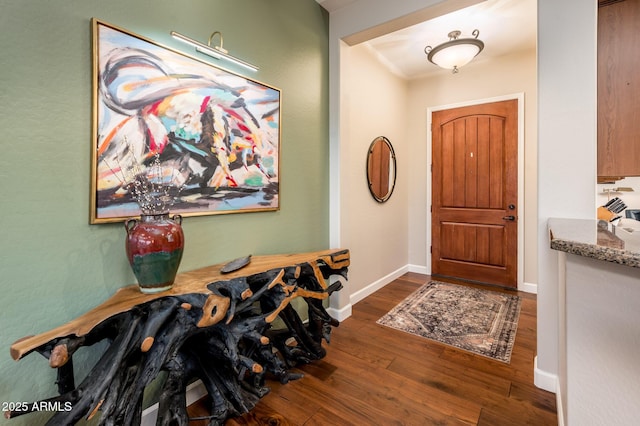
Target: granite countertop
<point>584,237</point>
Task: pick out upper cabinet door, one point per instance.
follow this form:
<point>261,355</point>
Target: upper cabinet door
<point>619,88</point>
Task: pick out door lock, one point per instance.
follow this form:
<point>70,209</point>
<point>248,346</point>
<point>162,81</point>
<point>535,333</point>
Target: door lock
<point>512,206</point>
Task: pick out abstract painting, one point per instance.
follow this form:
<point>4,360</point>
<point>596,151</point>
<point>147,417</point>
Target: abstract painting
<point>209,136</point>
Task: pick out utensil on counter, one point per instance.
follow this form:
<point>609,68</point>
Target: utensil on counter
<point>615,206</point>
<point>618,206</point>
<point>611,201</point>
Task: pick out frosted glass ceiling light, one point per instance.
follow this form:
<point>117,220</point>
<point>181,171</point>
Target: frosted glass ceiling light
<point>456,52</point>
<point>217,52</point>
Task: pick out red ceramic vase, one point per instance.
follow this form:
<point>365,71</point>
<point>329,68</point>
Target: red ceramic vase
<point>154,248</point>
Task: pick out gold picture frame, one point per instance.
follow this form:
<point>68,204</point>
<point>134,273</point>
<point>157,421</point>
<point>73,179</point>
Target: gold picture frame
<point>208,138</point>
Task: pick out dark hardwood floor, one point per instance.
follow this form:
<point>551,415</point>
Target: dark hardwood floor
<point>374,375</point>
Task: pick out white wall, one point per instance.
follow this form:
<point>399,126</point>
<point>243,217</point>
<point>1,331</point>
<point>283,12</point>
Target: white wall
<point>602,342</point>
<point>374,104</point>
<point>566,148</point>
<point>360,19</point>
<point>506,75</point>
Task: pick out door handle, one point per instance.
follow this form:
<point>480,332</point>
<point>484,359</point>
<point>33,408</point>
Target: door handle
<point>510,217</point>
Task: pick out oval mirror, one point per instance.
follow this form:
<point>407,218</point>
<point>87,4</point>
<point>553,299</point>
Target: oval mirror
<point>381,169</point>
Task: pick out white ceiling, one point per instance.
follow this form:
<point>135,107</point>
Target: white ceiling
<point>506,26</point>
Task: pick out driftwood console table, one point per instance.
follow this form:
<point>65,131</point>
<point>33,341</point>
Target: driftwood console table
<point>210,326</point>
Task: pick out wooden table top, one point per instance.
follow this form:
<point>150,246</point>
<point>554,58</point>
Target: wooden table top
<point>190,282</point>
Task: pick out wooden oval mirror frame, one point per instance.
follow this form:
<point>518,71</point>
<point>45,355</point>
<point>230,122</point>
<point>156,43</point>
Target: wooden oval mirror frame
<point>381,169</point>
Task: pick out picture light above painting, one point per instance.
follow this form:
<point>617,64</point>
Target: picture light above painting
<point>217,52</point>
<point>201,138</point>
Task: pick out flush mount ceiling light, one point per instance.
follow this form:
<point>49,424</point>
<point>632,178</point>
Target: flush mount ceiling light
<point>217,52</point>
<point>456,52</point>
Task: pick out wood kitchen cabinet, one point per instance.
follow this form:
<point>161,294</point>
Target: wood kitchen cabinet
<point>618,88</point>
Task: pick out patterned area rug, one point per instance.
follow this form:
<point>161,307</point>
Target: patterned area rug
<point>480,321</point>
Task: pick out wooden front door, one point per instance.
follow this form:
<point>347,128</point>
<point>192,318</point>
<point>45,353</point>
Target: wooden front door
<point>475,193</point>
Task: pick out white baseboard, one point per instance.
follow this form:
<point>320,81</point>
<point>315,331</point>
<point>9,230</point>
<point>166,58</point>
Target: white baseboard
<point>559,407</point>
<point>419,269</point>
<point>543,379</point>
<point>377,285</point>
<point>195,391</point>
<point>340,314</point>
<point>529,288</point>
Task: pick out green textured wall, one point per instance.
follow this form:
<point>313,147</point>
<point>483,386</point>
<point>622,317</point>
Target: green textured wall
<point>54,266</point>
